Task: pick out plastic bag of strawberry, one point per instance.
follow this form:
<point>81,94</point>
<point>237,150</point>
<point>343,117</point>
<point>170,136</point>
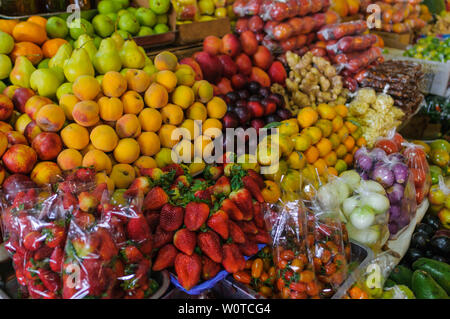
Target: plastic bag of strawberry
<point>340,30</point>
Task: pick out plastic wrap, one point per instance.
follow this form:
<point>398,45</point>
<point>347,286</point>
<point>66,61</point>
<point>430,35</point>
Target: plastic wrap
<point>186,10</point>
<point>356,61</point>
<point>352,43</point>
<point>340,30</point>
<point>418,165</point>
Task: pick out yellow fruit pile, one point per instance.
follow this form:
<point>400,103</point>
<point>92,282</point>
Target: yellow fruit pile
<point>126,122</point>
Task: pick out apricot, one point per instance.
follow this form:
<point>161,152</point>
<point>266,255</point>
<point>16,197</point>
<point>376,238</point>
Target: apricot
<point>67,103</point>
<point>34,104</point>
<point>98,160</point>
<point>203,91</point>
<point>22,122</point>
<point>184,151</point>
<point>127,151</point>
<point>166,138</point>
<point>75,136</point>
<point>197,111</point>
<point>192,129</point>
<point>168,79</point>
<point>144,162</point>
<point>50,118</point>
<point>156,96</point>
<point>132,102</point>
<point>3,143</point>
<point>172,114</point>
<point>216,108</point>
<point>114,84</point>
<point>88,148</point>
<point>183,96</point>
<point>15,137</point>
<point>137,80</point>
<point>101,178</point>
<point>86,87</point>
<point>150,120</point>
<point>149,143</point>
<point>69,159</point>
<point>166,61</point>
<point>128,126</point>
<point>111,108</point>
<point>185,75</point>
<point>5,127</point>
<point>29,31</point>
<point>122,175</point>
<point>45,173</point>
<point>86,113</point>
<point>104,138</point>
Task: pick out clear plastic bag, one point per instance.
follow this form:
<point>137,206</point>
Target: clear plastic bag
<point>355,61</point>
<point>186,10</point>
<point>352,43</point>
<point>340,30</point>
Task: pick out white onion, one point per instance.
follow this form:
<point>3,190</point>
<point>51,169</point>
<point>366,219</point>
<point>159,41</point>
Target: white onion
<point>371,187</point>
<point>362,217</point>
<point>379,203</point>
<point>350,204</point>
<point>351,178</point>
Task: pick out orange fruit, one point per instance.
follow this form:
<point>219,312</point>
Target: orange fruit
<point>29,31</point>
<point>38,20</point>
<point>332,171</point>
<point>325,126</point>
<point>361,141</point>
<point>337,122</point>
<point>351,127</point>
<point>314,133</point>
<point>307,117</point>
<point>343,133</point>
<point>348,159</point>
<point>8,25</point>
<point>335,140</point>
<point>326,111</point>
<point>50,47</point>
<point>312,154</point>
<point>320,165</point>
<point>330,158</point>
<point>28,49</point>
<point>324,146</point>
<point>349,143</point>
<point>341,151</point>
<point>355,149</point>
<point>341,110</point>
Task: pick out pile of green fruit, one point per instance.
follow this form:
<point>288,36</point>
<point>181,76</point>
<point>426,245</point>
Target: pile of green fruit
<point>430,48</point>
<point>114,15</point>
<point>428,279</point>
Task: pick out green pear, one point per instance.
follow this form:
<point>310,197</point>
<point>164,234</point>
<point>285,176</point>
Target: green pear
<point>87,43</point>
<point>62,55</point>
<point>6,43</point>
<point>78,64</point>
<point>45,82</point>
<point>5,66</point>
<point>43,64</point>
<point>107,57</point>
<point>118,40</point>
<point>65,88</point>
<point>2,86</point>
<point>148,61</point>
<point>150,69</point>
<point>131,56</point>
<point>21,73</point>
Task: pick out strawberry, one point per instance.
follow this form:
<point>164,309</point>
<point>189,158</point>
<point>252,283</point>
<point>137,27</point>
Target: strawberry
<point>43,252</point>
<point>107,248</point>
<point>131,254</point>
<point>251,185</point>
<point>248,227</point>
<point>50,280</point>
<point>171,217</point>
<point>258,216</point>
<point>138,229</point>
<point>85,174</point>
<point>162,237</point>
<point>165,258</point>
<point>219,223</point>
<point>56,259</point>
<point>183,180</point>
<point>154,173</point>
<point>249,248</point>
<point>33,240</point>
<point>257,178</point>
<point>204,194</point>
<point>146,246</point>
<point>185,240</point>
<point>222,186</point>
<point>141,184</point>
<point>262,237</point>
<point>213,172</point>
<point>209,268</point>
<point>231,209</point>
<point>155,199</point>
<point>69,201</point>
<point>55,235</point>
<point>100,192</point>
<point>233,260</point>
<point>118,268</point>
<point>82,219</point>
<point>188,269</point>
<point>178,169</point>
<point>209,243</point>
<point>196,215</point>
<point>243,200</point>
<point>152,220</point>
<point>236,233</point>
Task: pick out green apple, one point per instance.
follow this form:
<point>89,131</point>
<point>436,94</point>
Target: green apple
<point>118,197</point>
<point>97,41</point>
<point>122,12</point>
<point>103,25</point>
<point>43,64</point>
<point>46,82</point>
<point>113,16</point>
<point>145,31</point>
<point>5,66</point>
<point>146,17</point>
<point>161,28</point>
<point>100,78</point>
<point>150,69</point>
<point>132,10</point>
<point>159,6</point>
<point>108,6</point>
<point>2,86</point>
<point>57,27</point>
<point>123,3</point>
<point>124,34</point>
<point>79,27</point>
<point>162,19</point>
<point>129,23</point>
<point>65,88</point>
<point>206,7</point>
<point>6,43</point>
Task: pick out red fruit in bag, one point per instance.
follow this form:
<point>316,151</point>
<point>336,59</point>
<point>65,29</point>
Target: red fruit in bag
<point>171,217</point>
<point>231,209</point>
<point>56,259</point>
<point>209,268</point>
<point>188,269</point>
<point>209,243</point>
<point>42,253</point>
<point>50,280</point>
<point>196,215</point>
<point>388,146</point>
<point>219,223</point>
<point>107,248</point>
<point>165,258</point>
<point>131,254</point>
<point>233,260</point>
<point>236,233</point>
<point>185,240</point>
<point>162,237</point>
<point>137,228</point>
<point>33,240</point>
<point>55,235</point>
<point>155,199</point>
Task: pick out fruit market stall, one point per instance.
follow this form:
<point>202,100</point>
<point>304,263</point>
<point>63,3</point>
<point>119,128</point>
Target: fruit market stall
<point>246,149</point>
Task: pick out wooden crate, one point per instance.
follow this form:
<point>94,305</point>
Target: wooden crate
<point>395,40</point>
<point>198,31</point>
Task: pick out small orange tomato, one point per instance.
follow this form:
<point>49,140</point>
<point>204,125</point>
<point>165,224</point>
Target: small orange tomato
<point>257,267</point>
<point>242,277</point>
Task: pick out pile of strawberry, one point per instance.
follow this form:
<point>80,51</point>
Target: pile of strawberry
<point>203,224</point>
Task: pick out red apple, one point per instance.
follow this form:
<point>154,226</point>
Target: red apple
<point>20,158</point>
<point>253,7</point>
<point>20,98</point>
<point>230,45</point>
<point>212,44</point>
<point>229,66</point>
<point>262,58</point>
<point>249,43</point>
<point>47,145</point>
<point>6,107</point>
<point>244,64</point>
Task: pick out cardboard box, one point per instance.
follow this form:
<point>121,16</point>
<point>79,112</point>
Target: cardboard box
<point>395,40</point>
<point>198,31</point>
